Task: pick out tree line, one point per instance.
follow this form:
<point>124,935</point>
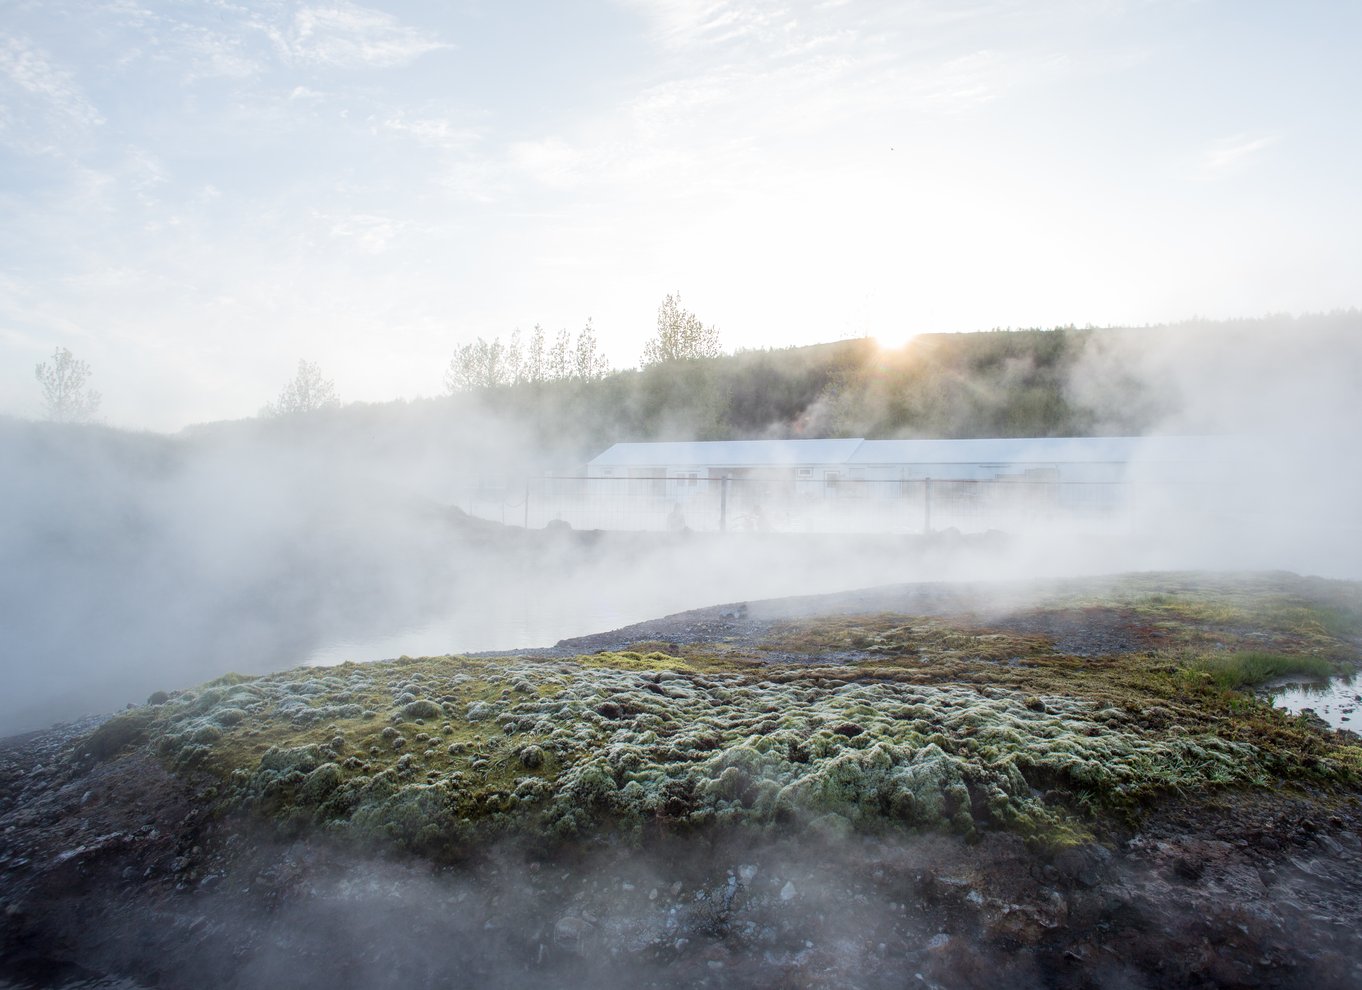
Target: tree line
<point>482,364</point>
<point>489,364</point>
<point>680,336</point>
<point>1012,383</point>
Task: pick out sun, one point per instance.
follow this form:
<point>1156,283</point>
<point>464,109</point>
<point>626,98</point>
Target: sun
<point>893,339</point>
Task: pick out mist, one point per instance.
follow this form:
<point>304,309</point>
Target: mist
<point>139,562</point>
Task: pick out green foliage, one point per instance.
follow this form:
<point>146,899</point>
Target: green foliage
<point>680,335</point>
<point>480,364</point>
<point>1248,669</point>
<point>483,364</point>
<point>1013,383</point>
<point>422,709</point>
<point>936,725</point>
<point>118,733</point>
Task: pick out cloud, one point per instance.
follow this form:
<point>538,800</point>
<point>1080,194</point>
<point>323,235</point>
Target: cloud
<point>550,162</point>
<point>1227,155</point>
<point>435,132</point>
<point>348,36</point>
<point>968,81</point>
<point>43,106</point>
<point>212,55</point>
<point>683,23</point>
<point>370,233</point>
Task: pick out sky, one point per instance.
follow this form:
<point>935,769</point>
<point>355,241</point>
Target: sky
<point>194,195</point>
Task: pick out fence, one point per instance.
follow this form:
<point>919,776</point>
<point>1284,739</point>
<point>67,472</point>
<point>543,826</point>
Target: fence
<point>825,506</point>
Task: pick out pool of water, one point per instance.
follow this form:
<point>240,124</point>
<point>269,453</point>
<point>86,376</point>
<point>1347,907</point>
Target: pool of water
<point>1338,700</point>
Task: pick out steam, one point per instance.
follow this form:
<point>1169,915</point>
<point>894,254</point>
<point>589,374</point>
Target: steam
<point>717,910</point>
<point>139,562</point>
<point>1284,393</point>
<point>724,910</point>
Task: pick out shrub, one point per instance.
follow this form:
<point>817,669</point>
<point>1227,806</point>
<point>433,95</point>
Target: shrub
<point>422,709</point>
<point>118,733</point>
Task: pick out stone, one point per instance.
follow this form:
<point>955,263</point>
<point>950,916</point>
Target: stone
<point>570,929</point>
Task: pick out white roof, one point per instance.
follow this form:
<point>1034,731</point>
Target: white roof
<point>1015,450</point>
<point>1012,450</point>
<point>726,453</point>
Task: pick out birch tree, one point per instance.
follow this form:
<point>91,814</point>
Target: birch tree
<point>67,395</point>
<point>308,391</point>
<point>680,335</point>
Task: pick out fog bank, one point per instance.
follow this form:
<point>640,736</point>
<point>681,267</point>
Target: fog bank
<point>138,562</point>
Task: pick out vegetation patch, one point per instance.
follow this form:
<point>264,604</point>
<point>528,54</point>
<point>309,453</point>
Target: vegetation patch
<point>1250,669</point>
<point>922,723</point>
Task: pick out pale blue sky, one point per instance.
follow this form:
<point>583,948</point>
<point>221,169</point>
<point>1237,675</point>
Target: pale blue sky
<point>195,194</point>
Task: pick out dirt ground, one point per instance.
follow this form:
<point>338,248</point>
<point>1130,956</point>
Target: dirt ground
<point>113,870</point>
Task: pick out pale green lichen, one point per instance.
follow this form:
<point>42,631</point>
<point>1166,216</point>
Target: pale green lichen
<point>991,730</point>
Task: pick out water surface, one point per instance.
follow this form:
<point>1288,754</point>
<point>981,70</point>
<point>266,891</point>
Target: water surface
<point>1338,700</point>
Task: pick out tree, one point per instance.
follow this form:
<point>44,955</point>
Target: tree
<point>488,364</point>
<point>680,335</point>
<point>307,392</point>
<point>67,396</point>
<point>477,365</point>
<point>535,369</point>
<point>558,364</point>
<point>588,364</point>
<point>514,359</point>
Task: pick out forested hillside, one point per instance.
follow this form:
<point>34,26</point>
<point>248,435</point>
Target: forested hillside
<point>947,385</point>
<point>1191,377</point>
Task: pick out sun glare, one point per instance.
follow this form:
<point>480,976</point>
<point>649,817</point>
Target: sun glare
<point>893,340</point>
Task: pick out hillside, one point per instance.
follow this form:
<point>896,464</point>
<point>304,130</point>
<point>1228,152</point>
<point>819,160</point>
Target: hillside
<point>1197,376</point>
<point>1064,785</point>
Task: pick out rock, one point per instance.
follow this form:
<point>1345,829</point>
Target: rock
<point>570,930</point>
<point>788,892</point>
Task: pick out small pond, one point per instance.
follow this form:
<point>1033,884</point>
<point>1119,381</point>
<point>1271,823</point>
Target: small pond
<point>1338,700</point>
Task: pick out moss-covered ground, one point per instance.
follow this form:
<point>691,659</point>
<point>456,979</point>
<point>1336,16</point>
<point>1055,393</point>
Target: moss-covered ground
<point>1047,720</point>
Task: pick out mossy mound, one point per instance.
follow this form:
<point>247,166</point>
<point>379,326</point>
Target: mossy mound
<point>933,725</point>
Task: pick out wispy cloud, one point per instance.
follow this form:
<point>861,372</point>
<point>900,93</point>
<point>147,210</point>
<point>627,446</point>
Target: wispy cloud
<point>435,132</point>
<point>216,55</point>
<point>369,233</point>
<point>347,36</point>
<point>550,162</point>
<point>1230,154</point>
<point>681,23</point>
<point>43,104</point>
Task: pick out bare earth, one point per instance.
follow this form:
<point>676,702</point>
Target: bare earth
<point>113,869</point>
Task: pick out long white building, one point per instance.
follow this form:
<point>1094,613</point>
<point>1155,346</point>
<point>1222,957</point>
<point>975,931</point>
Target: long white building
<point>676,466</point>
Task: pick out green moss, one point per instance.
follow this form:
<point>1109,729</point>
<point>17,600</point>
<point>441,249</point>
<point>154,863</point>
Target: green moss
<point>229,679</point>
<point>934,724</point>
<point>118,733</point>
<point>629,660</point>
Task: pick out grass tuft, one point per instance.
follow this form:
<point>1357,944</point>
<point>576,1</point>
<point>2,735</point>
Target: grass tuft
<point>1235,671</point>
